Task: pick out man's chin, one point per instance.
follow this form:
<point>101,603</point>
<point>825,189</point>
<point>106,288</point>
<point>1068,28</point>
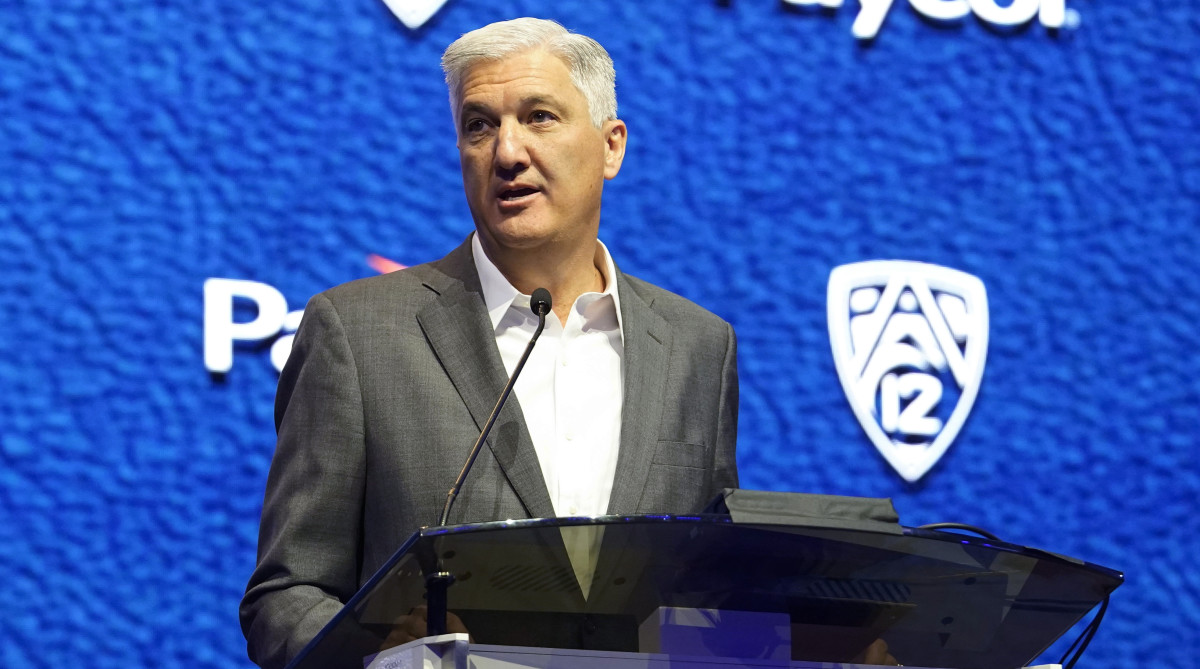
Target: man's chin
<point>510,237</point>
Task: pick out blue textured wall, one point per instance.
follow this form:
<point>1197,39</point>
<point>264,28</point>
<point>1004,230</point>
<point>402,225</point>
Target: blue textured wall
<point>148,146</point>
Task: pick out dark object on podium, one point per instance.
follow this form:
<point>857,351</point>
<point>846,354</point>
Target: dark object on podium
<point>937,599</point>
<point>799,509</point>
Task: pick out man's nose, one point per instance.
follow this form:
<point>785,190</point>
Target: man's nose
<point>512,154</point>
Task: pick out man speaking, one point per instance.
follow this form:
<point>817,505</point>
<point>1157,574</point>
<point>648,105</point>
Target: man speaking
<point>627,404</point>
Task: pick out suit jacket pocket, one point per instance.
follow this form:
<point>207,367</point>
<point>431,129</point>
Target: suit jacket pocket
<point>681,454</point>
<point>678,481</point>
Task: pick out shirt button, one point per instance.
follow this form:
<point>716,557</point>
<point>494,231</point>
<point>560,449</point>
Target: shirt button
<point>574,511</point>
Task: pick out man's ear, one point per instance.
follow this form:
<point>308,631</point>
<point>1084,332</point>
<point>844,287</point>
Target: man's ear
<point>615,135</point>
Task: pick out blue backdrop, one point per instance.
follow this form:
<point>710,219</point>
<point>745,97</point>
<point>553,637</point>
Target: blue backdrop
<point>149,146</point>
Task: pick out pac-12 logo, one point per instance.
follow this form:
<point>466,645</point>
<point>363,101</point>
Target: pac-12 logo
<point>414,13</point>
<point>909,342</point>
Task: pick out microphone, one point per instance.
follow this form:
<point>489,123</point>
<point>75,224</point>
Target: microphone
<point>540,303</point>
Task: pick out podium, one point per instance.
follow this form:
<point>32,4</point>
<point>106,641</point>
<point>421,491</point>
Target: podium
<point>938,599</point>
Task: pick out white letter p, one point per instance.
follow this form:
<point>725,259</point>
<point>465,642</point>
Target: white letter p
<point>220,330</point>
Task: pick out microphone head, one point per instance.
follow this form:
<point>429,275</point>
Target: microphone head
<point>539,302</point>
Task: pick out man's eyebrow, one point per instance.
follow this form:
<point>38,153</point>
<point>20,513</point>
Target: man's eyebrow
<point>474,107</point>
<point>471,107</point>
<point>541,100</point>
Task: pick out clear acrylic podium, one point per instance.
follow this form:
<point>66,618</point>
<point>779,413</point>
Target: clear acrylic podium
<point>938,599</point>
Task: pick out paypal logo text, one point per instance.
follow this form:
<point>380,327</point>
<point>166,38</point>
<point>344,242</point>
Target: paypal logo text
<point>1052,14</point>
<point>221,331</point>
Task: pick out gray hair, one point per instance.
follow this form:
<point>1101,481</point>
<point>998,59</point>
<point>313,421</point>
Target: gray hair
<point>590,65</point>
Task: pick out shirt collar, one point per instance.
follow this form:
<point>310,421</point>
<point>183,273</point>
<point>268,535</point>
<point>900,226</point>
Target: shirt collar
<point>499,295</point>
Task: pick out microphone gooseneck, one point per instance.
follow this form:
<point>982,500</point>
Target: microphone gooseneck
<point>540,304</point>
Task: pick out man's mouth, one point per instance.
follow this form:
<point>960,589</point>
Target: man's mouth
<point>514,194</point>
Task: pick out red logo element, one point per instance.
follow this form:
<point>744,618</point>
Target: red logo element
<point>383,265</point>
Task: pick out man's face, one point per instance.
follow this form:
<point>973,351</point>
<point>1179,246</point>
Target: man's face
<point>533,164</point>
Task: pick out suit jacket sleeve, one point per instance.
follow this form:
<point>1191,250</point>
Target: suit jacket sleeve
<point>310,533</point>
<point>724,472</point>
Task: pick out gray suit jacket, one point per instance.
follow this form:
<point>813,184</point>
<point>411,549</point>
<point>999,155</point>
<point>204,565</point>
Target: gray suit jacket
<point>388,384</point>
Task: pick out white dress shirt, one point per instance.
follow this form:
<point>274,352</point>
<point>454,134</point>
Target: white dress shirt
<point>571,387</point>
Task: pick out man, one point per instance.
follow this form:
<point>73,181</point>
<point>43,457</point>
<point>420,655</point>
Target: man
<point>628,403</point>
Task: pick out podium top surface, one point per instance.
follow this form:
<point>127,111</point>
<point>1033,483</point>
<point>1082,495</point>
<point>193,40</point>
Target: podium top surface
<point>938,599</point>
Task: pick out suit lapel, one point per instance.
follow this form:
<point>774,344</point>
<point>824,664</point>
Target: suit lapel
<point>462,338</point>
<point>647,346</point>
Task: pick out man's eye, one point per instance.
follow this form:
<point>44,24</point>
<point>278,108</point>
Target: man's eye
<point>474,125</point>
<point>541,117</point>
